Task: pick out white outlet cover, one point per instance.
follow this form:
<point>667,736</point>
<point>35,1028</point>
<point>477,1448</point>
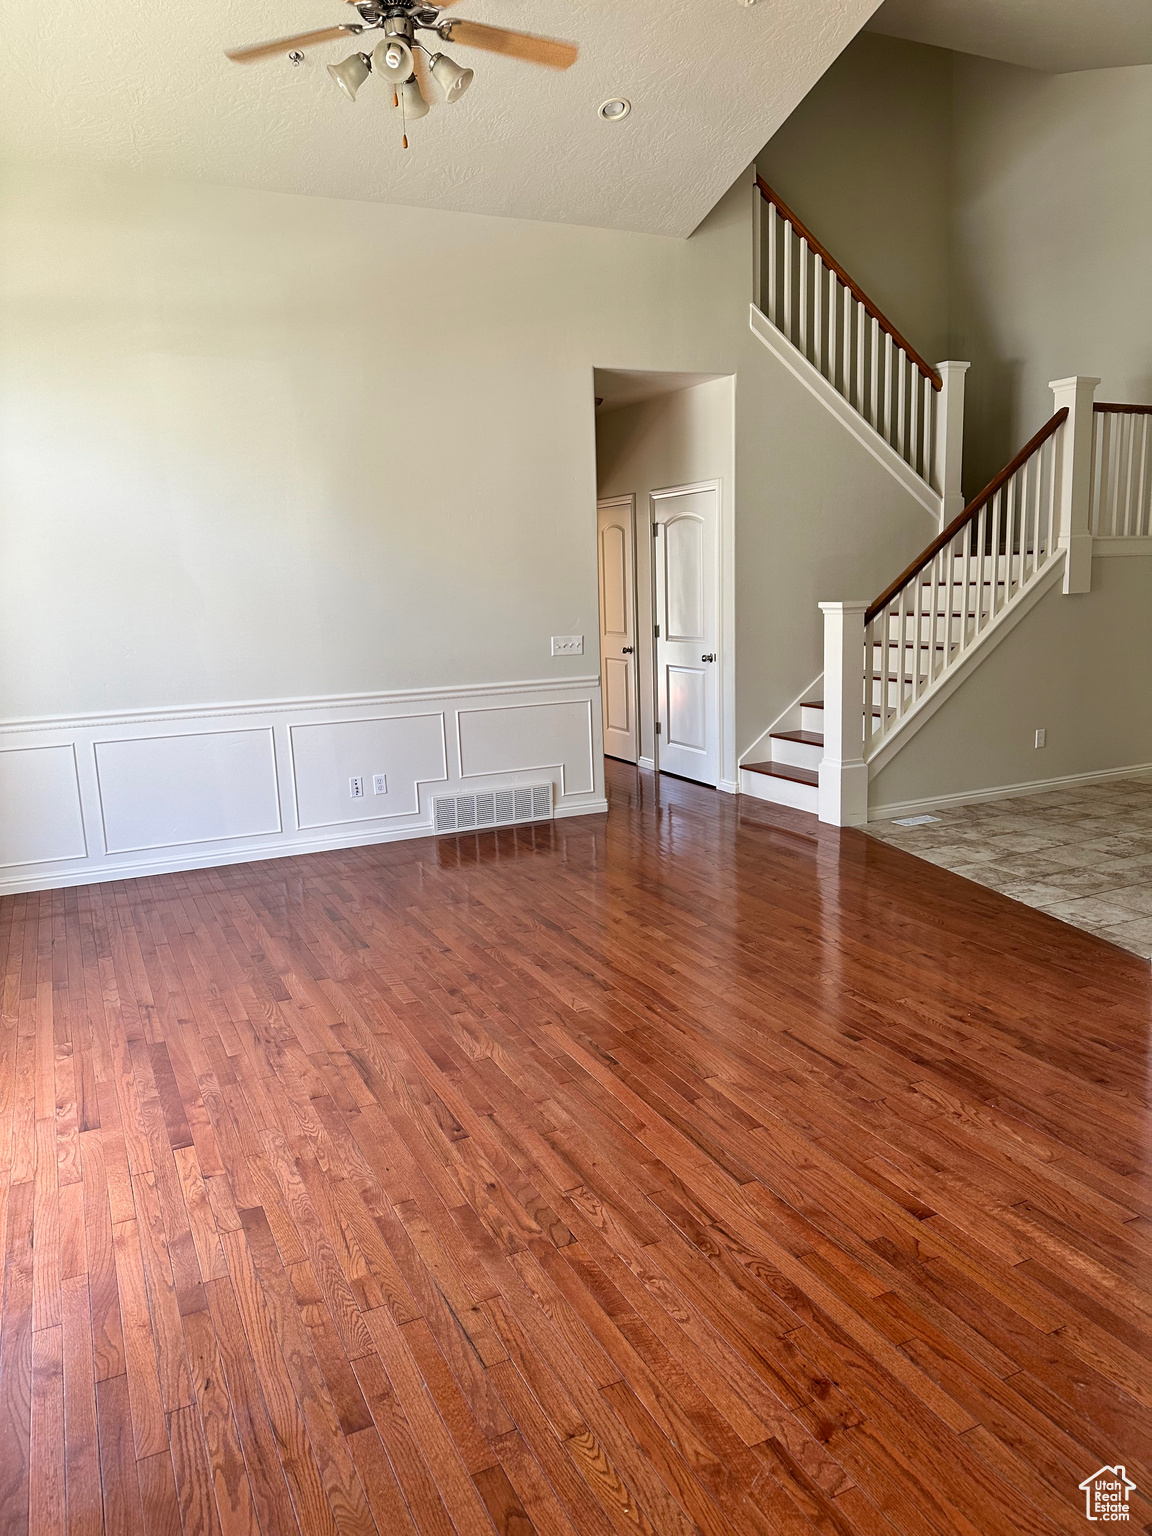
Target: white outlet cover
<point>567,645</point>
<point>1042,737</point>
<point>379,783</point>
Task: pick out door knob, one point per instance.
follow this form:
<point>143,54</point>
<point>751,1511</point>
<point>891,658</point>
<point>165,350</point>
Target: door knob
<point>625,650</point>
<point>711,656</point>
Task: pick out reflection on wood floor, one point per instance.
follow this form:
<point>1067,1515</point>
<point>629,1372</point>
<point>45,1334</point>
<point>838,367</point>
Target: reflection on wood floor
<point>697,1170</point>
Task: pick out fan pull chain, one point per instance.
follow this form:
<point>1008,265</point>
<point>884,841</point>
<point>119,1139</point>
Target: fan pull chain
<point>397,100</point>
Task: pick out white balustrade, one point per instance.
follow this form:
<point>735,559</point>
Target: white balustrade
<point>918,410</point>
<point>919,630</point>
<point>1121,485</point>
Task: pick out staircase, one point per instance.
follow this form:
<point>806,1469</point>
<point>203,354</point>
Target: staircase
<point>1082,485</point>
<point>790,775</point>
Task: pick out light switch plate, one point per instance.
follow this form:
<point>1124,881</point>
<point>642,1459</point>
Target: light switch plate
<point>567,645</point>
<point>1042,737</point>
<point>356,787</point>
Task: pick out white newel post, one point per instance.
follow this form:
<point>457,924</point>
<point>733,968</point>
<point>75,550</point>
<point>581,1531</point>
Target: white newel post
<point>949,466</point>
<point>843,790</point>
<point>1076,478</point>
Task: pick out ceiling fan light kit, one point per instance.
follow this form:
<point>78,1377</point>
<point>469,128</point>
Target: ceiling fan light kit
<point>407,64</point>
<point>351,74</point>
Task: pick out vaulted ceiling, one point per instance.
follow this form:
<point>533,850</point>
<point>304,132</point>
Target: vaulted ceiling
<point>144,84</point>
<point>1056,36</point>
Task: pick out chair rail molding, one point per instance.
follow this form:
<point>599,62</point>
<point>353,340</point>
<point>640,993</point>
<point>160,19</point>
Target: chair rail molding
<point>114,795</point>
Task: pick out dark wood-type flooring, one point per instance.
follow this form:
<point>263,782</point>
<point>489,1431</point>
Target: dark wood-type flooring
<point>697,1170</point>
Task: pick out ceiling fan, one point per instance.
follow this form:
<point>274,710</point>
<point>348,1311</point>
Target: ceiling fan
<point>408,66</point>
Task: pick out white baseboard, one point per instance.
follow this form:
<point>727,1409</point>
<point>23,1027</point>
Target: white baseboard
<point>646,762</point>
<point>728,787</point>
<point>1003,792</point>
<point>125,794</point>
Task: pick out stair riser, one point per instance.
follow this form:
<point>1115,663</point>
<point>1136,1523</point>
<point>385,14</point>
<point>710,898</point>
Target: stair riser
<point>797,754</point>
<point>762,786</point>
<point>811,719</point>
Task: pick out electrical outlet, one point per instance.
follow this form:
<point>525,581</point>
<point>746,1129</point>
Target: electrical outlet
<point>1042,737</point>
<point>356,787</point>
<point>567,645</point>
<point>379,783</point>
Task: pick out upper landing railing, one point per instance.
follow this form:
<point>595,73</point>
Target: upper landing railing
<point>808,296</point>
<point>1121,471</point>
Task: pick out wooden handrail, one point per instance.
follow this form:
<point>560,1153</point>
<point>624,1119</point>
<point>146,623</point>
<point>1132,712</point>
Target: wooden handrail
<point>1122,410</point>
<point>969,512</point>
<point>853,287</point>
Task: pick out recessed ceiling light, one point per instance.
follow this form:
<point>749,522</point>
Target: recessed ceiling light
<point>613,110</point>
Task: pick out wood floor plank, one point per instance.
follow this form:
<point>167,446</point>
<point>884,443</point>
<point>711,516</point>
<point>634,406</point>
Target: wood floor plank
<point>699,1171</point>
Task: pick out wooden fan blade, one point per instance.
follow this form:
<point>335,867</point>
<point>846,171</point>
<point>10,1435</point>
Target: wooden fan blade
<point>420,70</point>
<point>517,45</point>
<point>256,51</point>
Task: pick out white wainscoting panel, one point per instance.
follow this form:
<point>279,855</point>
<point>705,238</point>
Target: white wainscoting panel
<point>194,787</point>
<point>504,739</point>
<point>409,750</point>
<point>40,815</point>
<point>116,795</point>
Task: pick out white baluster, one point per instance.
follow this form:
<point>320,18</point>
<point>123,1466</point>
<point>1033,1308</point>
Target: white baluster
<point>818,311</point>
<point>789,236</point>
<point>887,387</point>
<point>773,264</point>
<point>874,398</point>
<point>861,322</point>
<point>804,296</point>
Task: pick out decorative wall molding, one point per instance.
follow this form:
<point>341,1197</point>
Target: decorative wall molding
<point>121,794</point>
<point>1004,792</point>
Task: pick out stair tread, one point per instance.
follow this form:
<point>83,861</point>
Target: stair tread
<point>785,771</point>
<point>813,704</point>
<point>809,738</point>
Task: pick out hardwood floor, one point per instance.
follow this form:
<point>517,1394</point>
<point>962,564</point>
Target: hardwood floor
<point>694,1171</point>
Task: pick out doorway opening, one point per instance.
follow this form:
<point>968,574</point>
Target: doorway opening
<point>664,452</point>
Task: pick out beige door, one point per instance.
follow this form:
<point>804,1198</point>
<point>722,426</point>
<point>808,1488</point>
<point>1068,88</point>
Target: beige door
<point>616,537</point>
<point>686,556</point>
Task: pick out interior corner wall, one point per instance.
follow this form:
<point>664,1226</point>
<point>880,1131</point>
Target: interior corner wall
<point>864,162</point>
<point>675,439</point>
<point>1052,244</point>
<point>1077,665</point>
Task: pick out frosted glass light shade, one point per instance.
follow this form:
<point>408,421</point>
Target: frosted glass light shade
<point>352,73</point>
<point>449,76</point>
<point>412,102</point>
<point>393,59</point>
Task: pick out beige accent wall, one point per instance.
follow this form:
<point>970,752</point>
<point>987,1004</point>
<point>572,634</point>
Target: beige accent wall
<point>680,438</point>
<point>994,213</point>
<point>864,161</point>
<point>259,446</point>
<point>1052,243</point>
<point>1077,666</point>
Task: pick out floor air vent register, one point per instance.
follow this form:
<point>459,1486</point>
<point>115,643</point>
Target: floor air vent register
<point>492,808</point>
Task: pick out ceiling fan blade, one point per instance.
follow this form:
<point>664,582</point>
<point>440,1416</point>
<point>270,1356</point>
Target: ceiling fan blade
<point>420,70</point>
<point>256,51</point>
<point>516,45</point>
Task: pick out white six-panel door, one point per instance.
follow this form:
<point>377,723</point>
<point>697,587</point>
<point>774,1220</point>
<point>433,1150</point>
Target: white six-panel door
<point>686,566</point>
<point>616,538</point>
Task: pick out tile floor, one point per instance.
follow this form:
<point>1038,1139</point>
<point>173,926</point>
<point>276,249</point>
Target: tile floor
<point>1084,855</point>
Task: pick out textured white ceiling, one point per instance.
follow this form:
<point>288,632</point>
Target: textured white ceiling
<point>144,84</point>
<point>1056,36</point>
